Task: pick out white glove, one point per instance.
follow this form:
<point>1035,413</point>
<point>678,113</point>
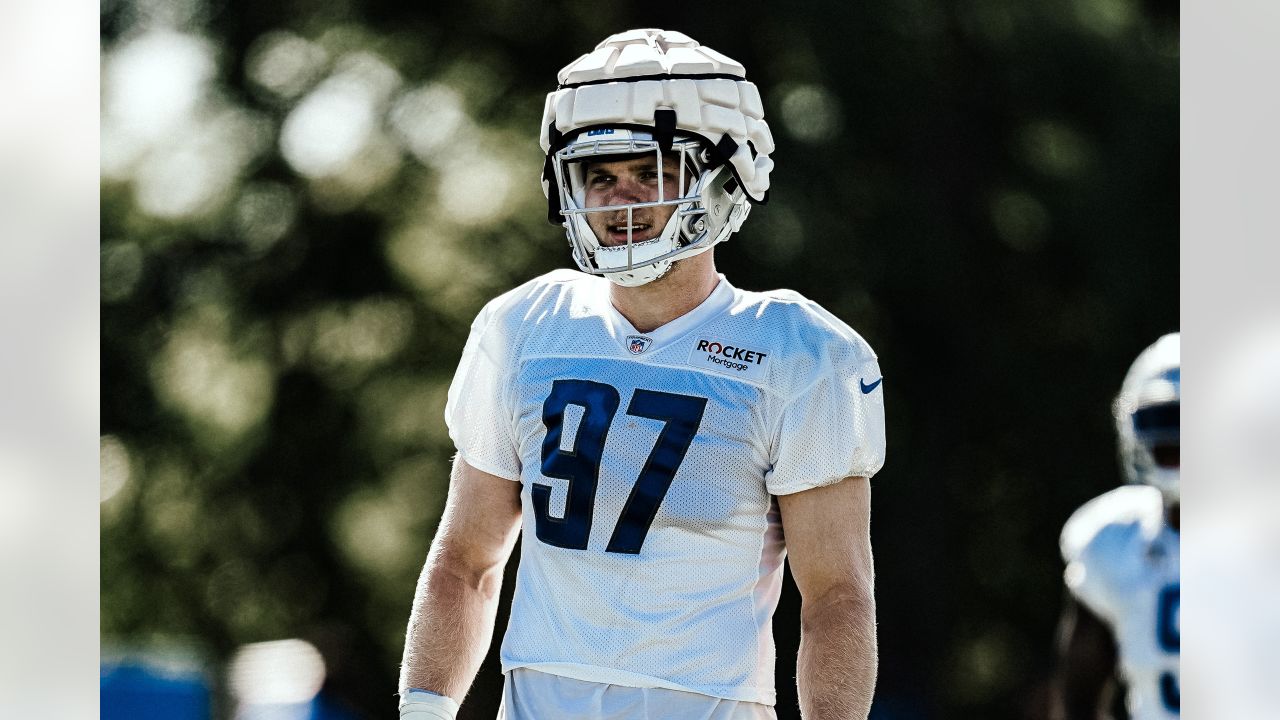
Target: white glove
<point>423,705</point>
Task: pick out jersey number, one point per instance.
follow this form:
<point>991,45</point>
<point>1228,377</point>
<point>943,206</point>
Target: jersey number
<point>682,414</point>
<point>1169,636</point>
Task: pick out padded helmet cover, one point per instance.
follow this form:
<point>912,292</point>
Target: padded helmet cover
<point>664,85</point>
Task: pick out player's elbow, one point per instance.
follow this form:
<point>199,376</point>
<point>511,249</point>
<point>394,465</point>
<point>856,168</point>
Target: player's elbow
<point>842,601</point>
<point>465,568</point>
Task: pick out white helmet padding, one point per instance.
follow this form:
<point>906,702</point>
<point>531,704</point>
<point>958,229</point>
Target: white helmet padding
<point>655,86</point>
<point>1147,415</point>
<point>726,113</point>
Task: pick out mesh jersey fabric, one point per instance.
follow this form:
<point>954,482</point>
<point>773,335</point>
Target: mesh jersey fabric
<point>1123,564</point>
<point>623,580</point>
<point>531,695</point>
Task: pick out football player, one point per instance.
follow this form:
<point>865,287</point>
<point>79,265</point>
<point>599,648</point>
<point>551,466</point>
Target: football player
<point>650,430</point>
<point>1121,550</point>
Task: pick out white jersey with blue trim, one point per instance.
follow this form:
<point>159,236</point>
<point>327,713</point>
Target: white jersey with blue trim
<point>1122,564</point>
<point>652,547</point>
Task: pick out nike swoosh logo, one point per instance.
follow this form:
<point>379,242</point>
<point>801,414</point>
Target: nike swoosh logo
<point>868,388</point>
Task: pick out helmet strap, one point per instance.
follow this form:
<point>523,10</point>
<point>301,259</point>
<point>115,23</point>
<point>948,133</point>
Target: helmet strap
<point>549,176</point>
<point>664,128</point>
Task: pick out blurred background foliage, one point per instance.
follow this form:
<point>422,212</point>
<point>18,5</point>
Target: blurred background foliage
<point>304,204</point>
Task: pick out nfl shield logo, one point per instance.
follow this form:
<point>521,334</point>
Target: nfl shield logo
<point>638,343</point>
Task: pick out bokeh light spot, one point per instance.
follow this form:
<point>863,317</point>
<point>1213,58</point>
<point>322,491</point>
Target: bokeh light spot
<point>428,257</point>
<point>282,672</point>
<point>374,531</point>
<point>285,64</point>
<point>327,129</point>
<point>811,114</point>
<point>197,172</point>
<point>221,392</point>
<point>428,119</point>
<point>1021,221</point>
<point>335,123</point>
<point>114,466</point>
<point>987,662</point>
<point>153,82</point>
<point>366,332</point>
<point>264,213</point>
<point>1107,18</point>
<point>476,190</point>
<point>122,264</point>
<point>1055,149</point>
<point>403,412</point>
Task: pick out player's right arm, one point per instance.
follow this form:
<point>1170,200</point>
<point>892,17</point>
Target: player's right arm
<point>1086,665</point>
<point>452,620</point>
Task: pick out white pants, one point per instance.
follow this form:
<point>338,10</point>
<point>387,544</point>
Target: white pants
<point>532,695</point>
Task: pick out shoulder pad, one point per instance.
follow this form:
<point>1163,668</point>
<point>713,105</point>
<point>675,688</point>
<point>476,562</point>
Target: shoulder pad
<point>1119,512</point>
<point>810,326</point>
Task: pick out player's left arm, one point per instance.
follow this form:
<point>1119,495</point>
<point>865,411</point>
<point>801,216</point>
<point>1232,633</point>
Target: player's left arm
<point>828,540</point>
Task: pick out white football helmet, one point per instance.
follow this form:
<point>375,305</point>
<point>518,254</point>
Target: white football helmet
<point>655,92</point>
<point>1147,418</point>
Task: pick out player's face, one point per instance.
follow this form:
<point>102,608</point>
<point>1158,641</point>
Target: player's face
<point>626,182</point>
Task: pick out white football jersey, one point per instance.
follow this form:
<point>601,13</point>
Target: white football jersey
<point>652,549</point>
<point>1122,564</point>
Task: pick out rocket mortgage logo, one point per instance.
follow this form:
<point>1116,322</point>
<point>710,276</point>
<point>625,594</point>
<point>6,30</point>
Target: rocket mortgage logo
<point>729,358</point>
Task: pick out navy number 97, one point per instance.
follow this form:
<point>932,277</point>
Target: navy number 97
<point>681,415</point>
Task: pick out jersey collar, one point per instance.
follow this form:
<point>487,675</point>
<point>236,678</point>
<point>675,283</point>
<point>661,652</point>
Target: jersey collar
<point>634,342</point>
